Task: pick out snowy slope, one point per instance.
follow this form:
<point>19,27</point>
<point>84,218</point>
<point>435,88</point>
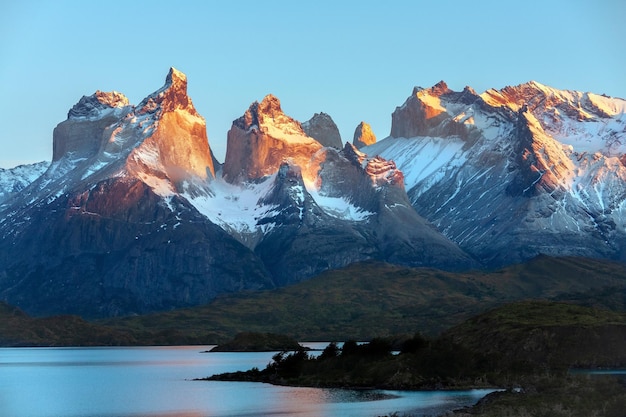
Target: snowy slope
<point>14,180</point>
<point>515,172</point>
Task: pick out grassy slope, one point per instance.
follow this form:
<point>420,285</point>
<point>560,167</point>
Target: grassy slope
<point>18,329</point>
<point>549,396</point>
<point>369,300</point>
<point>548,335</point>
<point>360,302</point>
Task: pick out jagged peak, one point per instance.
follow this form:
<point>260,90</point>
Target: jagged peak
<point>176,77</point>
<point>352,154</point>
<point>322,128</point>
<point>437,90</point>
<point>440,88</point>
<point>416,90</point>
<point>268,115</point>
<point>270,106</point>
<point>380,170</point>
<point>363,135</point>
<point>322,116</point>
<point>469,90</point>
<point>537,98</point>
<point>289,168</point>
<point>172,96</point>
<point>92,106</point>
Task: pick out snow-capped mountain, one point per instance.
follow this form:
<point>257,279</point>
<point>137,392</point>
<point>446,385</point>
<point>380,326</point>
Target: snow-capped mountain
<point>512,173</point>
<point>14,180</point>
<point>304,207</point>
<point>134,214</point>
<point>105,231</point>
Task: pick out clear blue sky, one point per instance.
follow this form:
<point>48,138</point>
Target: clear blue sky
<point>353,60</point>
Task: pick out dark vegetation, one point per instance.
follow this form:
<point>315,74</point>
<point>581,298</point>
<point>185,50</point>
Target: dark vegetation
<point>422,364</point>
<point>258,342</point>
<point>528,348</point>
<point>368,300</point>
<point>19,329</point>
<point>360,302</point>
<point>503,347</point>
<point>556,396</point>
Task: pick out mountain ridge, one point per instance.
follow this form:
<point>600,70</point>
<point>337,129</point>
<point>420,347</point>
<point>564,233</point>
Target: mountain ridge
<point>135,204</point>
<point>549,157</point>
<point>132,208</point>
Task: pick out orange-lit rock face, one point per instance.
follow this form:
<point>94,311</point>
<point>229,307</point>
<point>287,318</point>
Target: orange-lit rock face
<point>363,136</point>
<point>424,115</point>
<point>177,146</point>
<point>262,139</point>
<point>162,141</point>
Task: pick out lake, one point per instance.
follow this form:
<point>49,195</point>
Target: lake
<point>157,382</point>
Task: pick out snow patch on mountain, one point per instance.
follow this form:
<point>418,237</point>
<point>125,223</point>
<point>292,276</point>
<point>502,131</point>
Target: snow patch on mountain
<point>235,208</point>
<point>421,158</point>
<point>339,207</point>
<point>14,180</point>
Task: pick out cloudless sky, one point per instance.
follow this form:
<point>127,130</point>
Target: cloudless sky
<point>353,60</point>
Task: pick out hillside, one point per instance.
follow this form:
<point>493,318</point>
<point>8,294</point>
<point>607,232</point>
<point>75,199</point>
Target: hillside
<point>535,334</point>
<point>368,300</point>
<point>19,329</point>
<point>361,301</point>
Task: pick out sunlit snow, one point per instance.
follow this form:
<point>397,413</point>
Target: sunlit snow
<point>420,158</point>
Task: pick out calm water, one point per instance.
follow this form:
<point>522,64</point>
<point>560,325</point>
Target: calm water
<point>156,382</point>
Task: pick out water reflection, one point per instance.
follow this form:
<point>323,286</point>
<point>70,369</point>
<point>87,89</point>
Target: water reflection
<point>157,382</point>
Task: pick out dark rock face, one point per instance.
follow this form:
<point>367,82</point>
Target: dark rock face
<point>322,128</point>
<point>118,249</point>
<point>396,230</point>
<point>305,240</point>
<point>104,230</point>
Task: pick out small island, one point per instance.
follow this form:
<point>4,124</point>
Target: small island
<point>259,342</point>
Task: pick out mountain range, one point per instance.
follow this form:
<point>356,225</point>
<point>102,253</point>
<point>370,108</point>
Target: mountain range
<point>135,214</point>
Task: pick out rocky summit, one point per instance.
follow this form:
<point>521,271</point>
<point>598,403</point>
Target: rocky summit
<point>322,128</point>
<point>363,136</point>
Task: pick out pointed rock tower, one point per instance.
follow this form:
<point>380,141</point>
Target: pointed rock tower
<point>105,231</point>
<point>262,139</point>
<point>363,136</point>
<point>322,128</point>
<point>176,145</point>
